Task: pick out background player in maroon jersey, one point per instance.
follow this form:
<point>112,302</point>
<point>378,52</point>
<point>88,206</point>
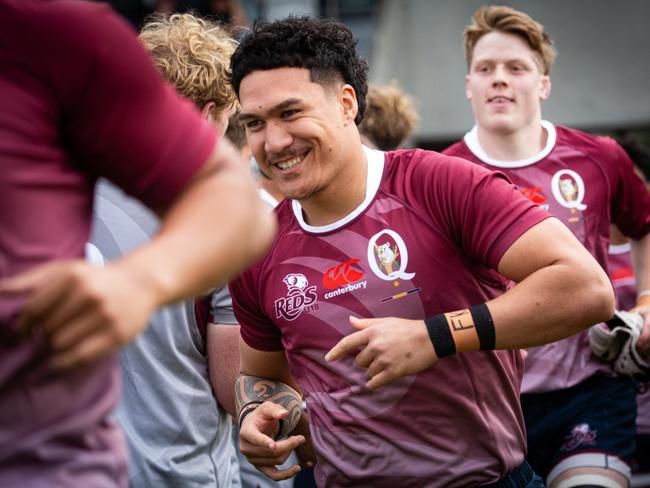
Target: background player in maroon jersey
<point>579,418</point>
<point>420,231</point>
<point>621,272</point>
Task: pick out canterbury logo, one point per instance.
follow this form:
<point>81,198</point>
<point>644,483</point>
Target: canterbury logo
<point>341,274</point>
<point>534,194</point>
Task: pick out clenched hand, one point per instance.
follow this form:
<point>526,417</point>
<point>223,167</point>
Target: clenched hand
<point>390,348</point>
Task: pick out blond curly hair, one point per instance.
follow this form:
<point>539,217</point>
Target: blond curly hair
<point>193,54</point>
<point>390,118</point>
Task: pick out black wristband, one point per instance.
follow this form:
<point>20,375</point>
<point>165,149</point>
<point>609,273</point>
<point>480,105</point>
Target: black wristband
<point>243,411</point>
<point>484,326</point>
<point>440,335</point>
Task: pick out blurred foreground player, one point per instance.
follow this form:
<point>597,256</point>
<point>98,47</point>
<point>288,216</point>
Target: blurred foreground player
<point>80,99</point>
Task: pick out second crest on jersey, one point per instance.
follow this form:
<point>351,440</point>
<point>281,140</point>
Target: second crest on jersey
<point>388,256</point>
<point>568,189</point>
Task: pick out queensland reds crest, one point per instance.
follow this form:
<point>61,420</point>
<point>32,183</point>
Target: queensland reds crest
<point>568,189</point>
<point>388,256</point>
<point>299,297</point>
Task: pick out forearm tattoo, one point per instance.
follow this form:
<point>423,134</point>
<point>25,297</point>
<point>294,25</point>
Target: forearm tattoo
<point>251,391</point>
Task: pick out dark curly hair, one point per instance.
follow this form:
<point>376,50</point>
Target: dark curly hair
<point>324,46</point>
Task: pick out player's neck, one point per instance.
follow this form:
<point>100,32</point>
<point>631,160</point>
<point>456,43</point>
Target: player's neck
<point>343,195</point>
<point>517,145</point>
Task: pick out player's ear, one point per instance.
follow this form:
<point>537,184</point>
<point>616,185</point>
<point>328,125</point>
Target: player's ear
<point>545,89</point>
<point>348,101</point>
<point>217,120</point>
<point>206,111</point>
<point>468,93</point>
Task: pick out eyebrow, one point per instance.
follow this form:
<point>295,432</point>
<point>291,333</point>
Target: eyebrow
<point>243,117</point>
<point>492,59</point>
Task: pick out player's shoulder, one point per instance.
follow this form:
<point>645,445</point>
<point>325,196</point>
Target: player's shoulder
<point>583,141</point>
<point>287,223</point>
<point>458,149</point>
<point>417,173</point>
<point>421,160</point>
<point>77,27</point>
<point>283,212</point>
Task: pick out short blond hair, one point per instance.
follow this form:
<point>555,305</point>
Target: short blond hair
<point>193,54</point>
<point>491,18</point>
<point>390,118</point>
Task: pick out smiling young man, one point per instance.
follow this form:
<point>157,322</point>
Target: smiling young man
<point>579,417</point>
<point>373,249</point>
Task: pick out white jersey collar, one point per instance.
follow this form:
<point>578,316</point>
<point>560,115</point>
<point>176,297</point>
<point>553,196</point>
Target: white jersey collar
<point>471,139</point>
<point>375,161</point>
<point>268,198</point>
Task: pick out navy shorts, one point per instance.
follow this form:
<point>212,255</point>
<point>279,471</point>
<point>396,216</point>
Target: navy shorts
<point>521,477</point>
<point>641,462</point>
<point>595,419</point>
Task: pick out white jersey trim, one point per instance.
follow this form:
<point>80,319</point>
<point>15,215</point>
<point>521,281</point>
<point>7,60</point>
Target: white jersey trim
<point>471,139</point>
<point>268,198</point>
<point>620,248</point>
<point>375,161</point>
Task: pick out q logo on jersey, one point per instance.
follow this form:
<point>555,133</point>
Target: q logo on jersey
<point>568,189</point>
<point>299,297</point>
<point>388,256</point>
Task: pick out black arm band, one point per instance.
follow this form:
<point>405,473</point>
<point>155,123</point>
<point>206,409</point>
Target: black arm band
<point>440,335</point>
<point>247,408</point>
<point>484,326</point>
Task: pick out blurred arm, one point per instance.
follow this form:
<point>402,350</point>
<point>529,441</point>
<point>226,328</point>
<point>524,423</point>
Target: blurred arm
<point>213,230</point>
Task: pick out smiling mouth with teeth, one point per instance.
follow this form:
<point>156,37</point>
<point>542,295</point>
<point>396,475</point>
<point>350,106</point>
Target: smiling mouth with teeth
<point>290,163</point>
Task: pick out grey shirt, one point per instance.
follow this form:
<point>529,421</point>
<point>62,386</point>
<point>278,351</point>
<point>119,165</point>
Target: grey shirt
<point>177,433</point>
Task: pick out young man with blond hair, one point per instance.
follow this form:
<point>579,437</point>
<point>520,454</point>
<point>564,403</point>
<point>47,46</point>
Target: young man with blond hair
<point>194,55</point>
<point>579,415</point>
<point>178,434</point>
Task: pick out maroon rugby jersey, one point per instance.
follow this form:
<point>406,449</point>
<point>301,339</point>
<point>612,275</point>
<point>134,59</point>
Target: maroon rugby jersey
<point>586,182</point>
<point>423,242</point>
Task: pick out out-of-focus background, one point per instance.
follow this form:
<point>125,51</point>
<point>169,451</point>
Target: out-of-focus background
<point>601,79</point>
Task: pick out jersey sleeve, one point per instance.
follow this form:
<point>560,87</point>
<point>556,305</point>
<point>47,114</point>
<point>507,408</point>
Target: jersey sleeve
<point>221,307</point>
<point>479,209</point>
<point>630,197</point>
<point>120,119</point>
<point>257,329</point>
